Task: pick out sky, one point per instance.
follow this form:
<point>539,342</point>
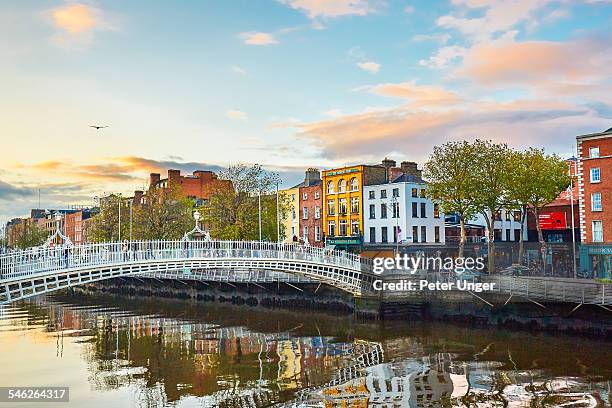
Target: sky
<point>288,84</point>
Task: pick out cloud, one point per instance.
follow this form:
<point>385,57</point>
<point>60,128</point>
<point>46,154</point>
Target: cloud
<point>236,114</point>
<point>441,38</point>
<point>258,38</point>
<point>9,191</point>
<point>443,57</point>
<point>370,66</point>
<point>76,23</point>
<point>238,70</point>
<point>538,63</point>
<point>408,9</point>
<point>420,95</point>
<point>333,8</point>
<point>368,135</point>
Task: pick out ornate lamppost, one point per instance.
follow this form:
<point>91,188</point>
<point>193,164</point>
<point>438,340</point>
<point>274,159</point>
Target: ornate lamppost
<point>58,232</point>
<point>197,229</point>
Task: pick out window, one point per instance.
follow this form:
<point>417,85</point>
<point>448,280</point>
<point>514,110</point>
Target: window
<point>415,192</point>
<point>305,213</point>
<point>423,193</point>
<point>383,193</point>
<point>517,216</point>
<point>293,215</point>
<point>342,206</point>
<point>395,233</point>
<point>517,235</point>
<point>342,228</point>
<point>331,207</point>
<point>497,235</point>
<point>305,196</point>
<point>415,234</point>
<point>372,235</point>
<point>330,187</point>
<point>317,212</point>
<point>396,210</point>
<point>292,197</point>
<point>396,192</point>
<point>292,231</point>
<point>305,233</point>
<point>508,235</point>
<point>342,186</point>
<point>383,210</point>
<point>415,210</point>
<point>597,231</point>
<point>423,234</point>
<point>317,195</point>
<point>354,184</point>
<point>497,216</point>
<point>354,205</point>
<point>372,195</point>
<point>507,214</point>
<point>436,211</point>
<point>383,235</point>
<point>372,211</point>
<point>595,175</point>
<point>331,228</point>
<point>423,213</point>
<point>594,152</point>
<point>354,227</point>
<point>317,236</point>
<point>596,202</point>
<point>437,234</point>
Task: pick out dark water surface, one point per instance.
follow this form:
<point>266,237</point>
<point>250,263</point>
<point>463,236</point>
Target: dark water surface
<point>123,352</point>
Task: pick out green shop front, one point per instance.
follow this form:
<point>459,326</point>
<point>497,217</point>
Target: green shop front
<point>349,244</point>
<point>596,261</point>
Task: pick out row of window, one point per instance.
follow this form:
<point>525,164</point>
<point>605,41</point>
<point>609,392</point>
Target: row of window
<point>383,193</point>
<point>317,213</point>
<point>342,206</point>
<point>317,195</point>
<point>353,186</point>
<point>397,232</point>
<point>342,228</point>
<point>516,215</point>
<point>396,211</point>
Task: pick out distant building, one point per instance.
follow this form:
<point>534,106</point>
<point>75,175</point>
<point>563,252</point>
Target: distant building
<point>198,186</point>
<point>304,222</point>
<point>76,225</point>
<point>595,193</point>
<point>291,223</point>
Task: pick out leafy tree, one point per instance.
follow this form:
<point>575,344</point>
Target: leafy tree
<point>232,213</point>
<point>493,170</point>
<point>105,225</point>
<point>28,234</point>
<point>451,182</point>
<point>164,214</point>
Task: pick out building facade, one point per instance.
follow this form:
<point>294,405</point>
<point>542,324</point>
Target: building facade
<point>291,222</point>
<point>343,202</point>
<point>595,194</point>
<point>400,213</point>
<point>311,208</point>
<point>198,186</point>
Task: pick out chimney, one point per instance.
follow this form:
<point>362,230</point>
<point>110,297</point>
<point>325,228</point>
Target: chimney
<point>388,164</point>
<point>411,169</point>
<point>154,179</point>
<point>137,200</point>
<point>312,175</point>
<point>174,177</point>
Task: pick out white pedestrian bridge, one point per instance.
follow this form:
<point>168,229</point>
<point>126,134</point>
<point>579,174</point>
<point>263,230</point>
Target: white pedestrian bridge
<point>39,270</point>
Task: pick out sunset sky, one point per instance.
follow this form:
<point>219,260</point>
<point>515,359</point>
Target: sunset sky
<point>286,83</point>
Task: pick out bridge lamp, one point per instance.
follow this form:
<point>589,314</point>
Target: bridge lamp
<point>196,216</point>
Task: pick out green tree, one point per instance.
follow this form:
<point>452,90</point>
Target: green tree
<point>28,234</point>
<point>493,170</point>
<point>452,182</point>
<point>165,214</point>
<point>105,225</point>
<point>232,213</point>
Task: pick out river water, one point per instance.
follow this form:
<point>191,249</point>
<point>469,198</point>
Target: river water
<point>133,352</point>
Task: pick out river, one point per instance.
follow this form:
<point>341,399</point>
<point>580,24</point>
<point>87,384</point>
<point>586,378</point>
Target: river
<point>115,351</point>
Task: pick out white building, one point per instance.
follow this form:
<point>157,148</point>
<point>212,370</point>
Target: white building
<point>399,211</point>
<point>507,225</point>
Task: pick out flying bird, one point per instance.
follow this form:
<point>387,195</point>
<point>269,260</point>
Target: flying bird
<point>98,127</point>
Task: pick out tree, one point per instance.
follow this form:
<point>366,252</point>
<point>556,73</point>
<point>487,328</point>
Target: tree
<point>105,225</point>
<point>546,177</point>
<point>492,170</point>
<point>28,234</point>
<point>451,182</point>
<point>232,213</point>
<point>165,214</point>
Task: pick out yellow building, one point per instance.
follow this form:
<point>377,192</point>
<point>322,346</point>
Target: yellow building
<point>343,202</point>
<point>291,222</point>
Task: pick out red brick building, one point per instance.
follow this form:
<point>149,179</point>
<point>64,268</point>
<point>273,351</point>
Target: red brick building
<point>595,186</point>
<point>199,185</point>
<point>311,207</point>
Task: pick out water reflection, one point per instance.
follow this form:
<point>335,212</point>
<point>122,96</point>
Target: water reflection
<point>173,353</point>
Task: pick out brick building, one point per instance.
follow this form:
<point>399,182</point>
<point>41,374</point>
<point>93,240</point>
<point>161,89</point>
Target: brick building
<point>75,225</point>
<point>311,207</point>
<point>595,192</point>
<point>199,186</point>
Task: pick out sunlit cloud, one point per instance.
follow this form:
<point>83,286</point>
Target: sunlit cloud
<point>76,23</point>
<point>238,70</point>
<point>258,38</point>
<point>420,95</point>
<point>236,114</point>
<point>369,66</point>
<point>334,8</point>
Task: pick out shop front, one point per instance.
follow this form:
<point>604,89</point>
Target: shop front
<point>596,261</point>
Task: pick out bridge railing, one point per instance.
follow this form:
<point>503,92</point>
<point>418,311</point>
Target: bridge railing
<point>40,260</point>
